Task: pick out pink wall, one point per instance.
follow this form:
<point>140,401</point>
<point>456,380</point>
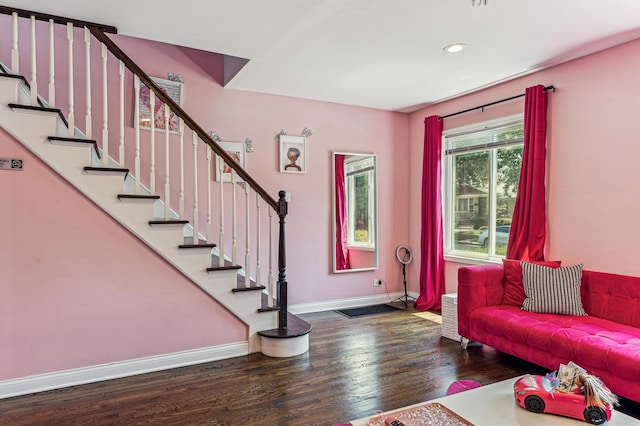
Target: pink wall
<point>79,290</point>
<point>593,153</point>
<point>80,317</point>
<point>591,184</point>
<point>236,115</point>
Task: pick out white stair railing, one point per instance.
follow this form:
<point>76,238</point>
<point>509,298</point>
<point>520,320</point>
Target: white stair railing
<point>136,125</point>
<point>136,145</point>
<point>105,109</point>
<point>167,166</point>
<point>234,219</point>
<point>70,115</point>
<point>87,81</point>
<point>221,252</point>
<point>121,151</point>
<point>196,211</point>
<point>34,80</point>
<point>15,53</point>
<point>52,68</point>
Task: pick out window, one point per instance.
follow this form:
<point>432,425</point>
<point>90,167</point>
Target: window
<point>360,201</point>
<point>481,173</point>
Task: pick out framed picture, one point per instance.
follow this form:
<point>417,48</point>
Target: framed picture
<point>174,90</point>
<point>237,151</point>
<point>293,155</point>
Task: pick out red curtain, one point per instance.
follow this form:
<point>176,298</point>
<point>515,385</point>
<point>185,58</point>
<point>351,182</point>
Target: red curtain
<point>342,251</point>
<point>528,226</point>
<point>431,242</point>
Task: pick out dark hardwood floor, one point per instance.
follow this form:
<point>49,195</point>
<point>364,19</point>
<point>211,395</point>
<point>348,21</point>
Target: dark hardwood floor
<point>354,366</point>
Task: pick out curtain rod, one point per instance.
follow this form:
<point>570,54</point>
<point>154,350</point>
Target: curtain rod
<point>492,103</point>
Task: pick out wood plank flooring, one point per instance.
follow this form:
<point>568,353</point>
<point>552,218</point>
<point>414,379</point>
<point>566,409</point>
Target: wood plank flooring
<point>354,366</point>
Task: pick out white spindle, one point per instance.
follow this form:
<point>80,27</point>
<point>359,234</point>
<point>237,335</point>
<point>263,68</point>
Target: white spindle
<point>136,125</point>
<point>221,165</point>
<point>167,184</point>
<point>152,124</point>
<point>247,254</point>
<point>15,54</point>
<point>121,159</point>
<point>34,64</point>
<point>208,193</point>
<point>271,291</point>
<point>87,58</point>
<point>52,68</point>
<point>105,109</point>
<point>181,194</point>
<point>234,221</point>
<point>258,267</point>
<point>196,218</point>
<point>71,115</point>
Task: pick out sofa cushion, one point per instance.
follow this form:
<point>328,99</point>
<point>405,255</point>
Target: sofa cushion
<point>552,290</point>
<point>613,297</point>
<point>513,289</point>
<point>593,343</point>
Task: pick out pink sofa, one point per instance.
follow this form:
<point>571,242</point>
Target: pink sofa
<point>606,342</point>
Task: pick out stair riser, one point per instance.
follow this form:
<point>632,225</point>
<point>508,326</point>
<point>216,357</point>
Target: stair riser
<point>281,348</point>
<point>8,90</point>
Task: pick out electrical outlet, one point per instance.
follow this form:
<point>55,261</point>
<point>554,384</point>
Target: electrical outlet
<point>377,282</point>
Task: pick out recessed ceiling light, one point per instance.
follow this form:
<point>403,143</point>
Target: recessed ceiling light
<point>456,47</point>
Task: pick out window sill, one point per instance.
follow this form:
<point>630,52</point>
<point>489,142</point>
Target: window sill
<point>473,260</point>
<point>361,248</point>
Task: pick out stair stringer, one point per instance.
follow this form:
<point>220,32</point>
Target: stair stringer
<point>33,128</point>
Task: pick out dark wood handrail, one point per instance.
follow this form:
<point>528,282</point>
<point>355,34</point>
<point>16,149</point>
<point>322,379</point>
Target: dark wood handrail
<point>5,10</point>
<point>177,109</point>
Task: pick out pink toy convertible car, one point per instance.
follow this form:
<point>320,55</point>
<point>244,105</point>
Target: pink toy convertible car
<point>537,394</point>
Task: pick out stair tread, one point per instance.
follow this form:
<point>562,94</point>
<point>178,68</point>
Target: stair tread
<point>296,327</point>
<point>36,108</point>
<point>41,108</point>
<point>116,169</point>
<point>168,221</point>
<point>139,196</point>
<point>106,169</point>
<point>16,76</point>
<point>71,139</point>
<point>243,289</point>
<point>194,246</point>
<point>79,141</point>
<point>223,268</point>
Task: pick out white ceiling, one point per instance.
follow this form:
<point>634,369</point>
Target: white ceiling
<point>384,54</point>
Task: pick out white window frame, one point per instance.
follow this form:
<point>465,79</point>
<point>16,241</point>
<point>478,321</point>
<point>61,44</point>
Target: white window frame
<point>449,205</point>
<point>351,170</point>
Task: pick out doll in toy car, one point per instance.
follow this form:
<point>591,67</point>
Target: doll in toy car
<point>569,392</point>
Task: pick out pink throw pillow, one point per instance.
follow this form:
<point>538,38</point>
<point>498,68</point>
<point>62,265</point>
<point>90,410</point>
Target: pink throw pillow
<point>513,288</point>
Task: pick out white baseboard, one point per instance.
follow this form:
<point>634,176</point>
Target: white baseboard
<point>330,305</point>
<point>97,373</point>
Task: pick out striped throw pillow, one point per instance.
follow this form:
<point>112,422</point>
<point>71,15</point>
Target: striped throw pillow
<point>552,290</point>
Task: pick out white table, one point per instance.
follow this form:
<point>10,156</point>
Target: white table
<point>494,405</point>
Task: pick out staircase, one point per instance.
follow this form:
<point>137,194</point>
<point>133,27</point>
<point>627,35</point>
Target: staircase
<point>50,126</point>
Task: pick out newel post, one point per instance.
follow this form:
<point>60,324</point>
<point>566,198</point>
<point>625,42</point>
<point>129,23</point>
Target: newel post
<point>282,261</point>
